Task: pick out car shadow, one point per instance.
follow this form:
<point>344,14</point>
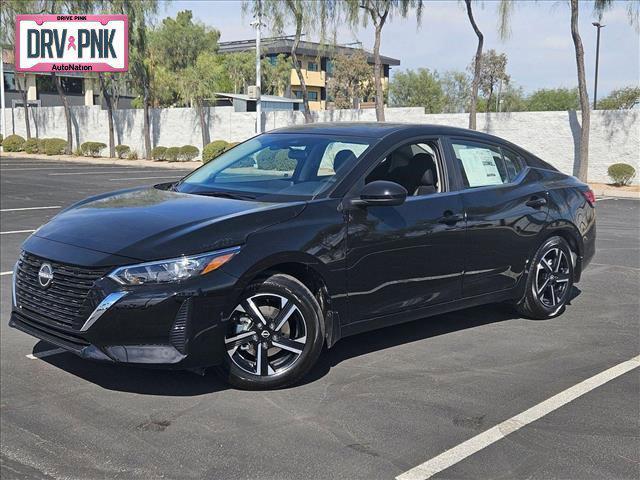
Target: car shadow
<point>182,383</point>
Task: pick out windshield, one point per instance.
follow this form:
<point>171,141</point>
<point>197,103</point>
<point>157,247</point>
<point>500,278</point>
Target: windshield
<point>277,167</point>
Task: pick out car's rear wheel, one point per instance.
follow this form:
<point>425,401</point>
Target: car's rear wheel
<point>275,334</point>
<point>549,282</point>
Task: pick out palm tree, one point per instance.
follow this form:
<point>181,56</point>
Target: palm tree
<point>473,101</point>
<point>378,12</point>
<point>599,7</point>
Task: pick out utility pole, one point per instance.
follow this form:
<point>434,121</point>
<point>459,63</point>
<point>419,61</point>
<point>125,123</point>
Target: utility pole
<point>258,26</point>
<point>598,25</point>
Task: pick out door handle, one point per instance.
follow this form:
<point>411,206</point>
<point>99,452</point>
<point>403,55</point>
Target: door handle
<point>450,218</point>
<point>536,202</point>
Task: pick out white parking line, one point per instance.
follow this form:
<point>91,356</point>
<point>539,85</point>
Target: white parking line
<point>70,167</point>
<point>483,440</point>
<point>28,208</point>
<point>5,273</point>
<point>46,353</point>
<point>139,178</point>
<point>16,231</point>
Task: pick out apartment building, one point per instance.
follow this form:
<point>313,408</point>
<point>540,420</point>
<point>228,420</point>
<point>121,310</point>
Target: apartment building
<point>315,61</point>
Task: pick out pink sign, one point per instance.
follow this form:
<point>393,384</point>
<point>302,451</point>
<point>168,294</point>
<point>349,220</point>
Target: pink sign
<point>72,43</point>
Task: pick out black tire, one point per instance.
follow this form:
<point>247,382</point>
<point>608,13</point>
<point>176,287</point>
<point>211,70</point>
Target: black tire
<point>303,325</point>
<point>548,286</point>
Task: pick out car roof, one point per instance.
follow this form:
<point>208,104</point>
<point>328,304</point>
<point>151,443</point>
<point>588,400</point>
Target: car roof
<point>381,129</point>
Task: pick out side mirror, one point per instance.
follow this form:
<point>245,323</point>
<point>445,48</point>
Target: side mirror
<point>381,193</point>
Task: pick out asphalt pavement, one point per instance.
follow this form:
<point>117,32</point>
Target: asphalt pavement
<point>377,405</point>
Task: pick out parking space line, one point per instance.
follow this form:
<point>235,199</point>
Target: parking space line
<point>16,231</point>
<point>500,431</point>
<point>139,178</point>
<point>46,353</point>
<point>5,273</point>
<point>28,208</point>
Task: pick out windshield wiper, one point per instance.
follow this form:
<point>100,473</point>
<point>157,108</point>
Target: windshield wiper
<point>235,196</point>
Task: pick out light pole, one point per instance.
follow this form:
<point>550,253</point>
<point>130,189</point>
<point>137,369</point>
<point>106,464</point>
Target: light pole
<point>257,23</point>
<point>598,25</point>
<point>3,124</point>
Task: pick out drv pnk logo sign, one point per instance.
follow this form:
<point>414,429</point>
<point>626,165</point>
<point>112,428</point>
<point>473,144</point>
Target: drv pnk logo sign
<point>59,43</point>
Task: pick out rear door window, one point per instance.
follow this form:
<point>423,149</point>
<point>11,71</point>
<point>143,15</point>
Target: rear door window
<point>480,164</point>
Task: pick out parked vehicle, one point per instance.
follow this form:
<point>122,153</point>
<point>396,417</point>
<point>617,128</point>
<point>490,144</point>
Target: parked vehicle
<point>299,237</point>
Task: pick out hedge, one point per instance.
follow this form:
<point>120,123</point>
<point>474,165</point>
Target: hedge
<point>188,153</point>
<point>122,151</point>
<point>30,145</point>
<point>213,150</point>
<point>54,146</point>
<point>159,153</point>
<point>621,173</point>
<point>13,143</point>
<point>275,160</point>
<point>172,154</point>
<point>132,155</point>
<point>92,149</point>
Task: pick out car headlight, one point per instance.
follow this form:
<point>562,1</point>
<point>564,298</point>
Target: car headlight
<point>173,270</point>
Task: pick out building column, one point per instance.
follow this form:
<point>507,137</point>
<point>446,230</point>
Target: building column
<point>32,90</point>
<point>88,92</point>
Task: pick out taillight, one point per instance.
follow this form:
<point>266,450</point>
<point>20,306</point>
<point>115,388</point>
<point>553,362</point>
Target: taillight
<point>589,195</point>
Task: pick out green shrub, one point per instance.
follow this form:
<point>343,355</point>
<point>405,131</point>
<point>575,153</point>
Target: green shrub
<point>13,143</point>
<point>1,138</point>
<point>231,145</point>
<point>275,160</point>
<point>77,152</point>
<point>54,146</point>
<point>92,149</point>
<point>159,153</point>
<point>621,173</point>
<point>31,145</point>
<point>213,150</point>
<point>172,154</point>
<point>188,153</point>
<point>133,155</point>
<point>122,151</point>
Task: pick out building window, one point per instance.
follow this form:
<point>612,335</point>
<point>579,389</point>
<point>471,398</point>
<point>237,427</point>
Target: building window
<point>10,82</point>
<point>273,60</point>
<point>312,66</point>
<point>313,96</point>
<point>70,85</point>
<point>329,68</point>
<point>298,93</point>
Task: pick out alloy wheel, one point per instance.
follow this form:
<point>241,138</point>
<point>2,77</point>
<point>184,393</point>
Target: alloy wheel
<point>267,334</point>
<point>552,277</point>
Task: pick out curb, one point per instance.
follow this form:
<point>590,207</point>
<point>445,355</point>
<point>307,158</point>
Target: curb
<point>192,165</point>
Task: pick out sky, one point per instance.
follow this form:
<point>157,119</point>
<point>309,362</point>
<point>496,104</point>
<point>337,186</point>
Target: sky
<point>540,49</point>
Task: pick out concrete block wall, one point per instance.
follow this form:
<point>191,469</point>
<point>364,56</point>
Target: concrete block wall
<point>553,136</point>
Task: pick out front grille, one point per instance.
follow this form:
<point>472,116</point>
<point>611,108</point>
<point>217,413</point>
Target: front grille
<point>65,302</point>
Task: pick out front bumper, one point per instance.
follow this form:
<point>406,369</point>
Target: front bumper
<point>173,325</point>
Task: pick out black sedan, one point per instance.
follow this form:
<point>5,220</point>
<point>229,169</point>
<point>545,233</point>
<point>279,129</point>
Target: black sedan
<point>299,237</point>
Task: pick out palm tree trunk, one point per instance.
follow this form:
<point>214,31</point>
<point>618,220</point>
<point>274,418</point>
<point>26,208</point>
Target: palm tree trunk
<point>308,118</point>
<point>473,104</point>
<point>67,113</point>
<point>107,99</point>
<point>583,168</point>
<point>147,127</point>
<point>23,95</point>
<point>204,128</point>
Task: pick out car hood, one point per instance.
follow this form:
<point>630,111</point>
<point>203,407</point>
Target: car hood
<point>151,224</point>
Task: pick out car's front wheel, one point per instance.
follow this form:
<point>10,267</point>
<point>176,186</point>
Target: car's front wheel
<point>549,282</point>
<point>275,334</point>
